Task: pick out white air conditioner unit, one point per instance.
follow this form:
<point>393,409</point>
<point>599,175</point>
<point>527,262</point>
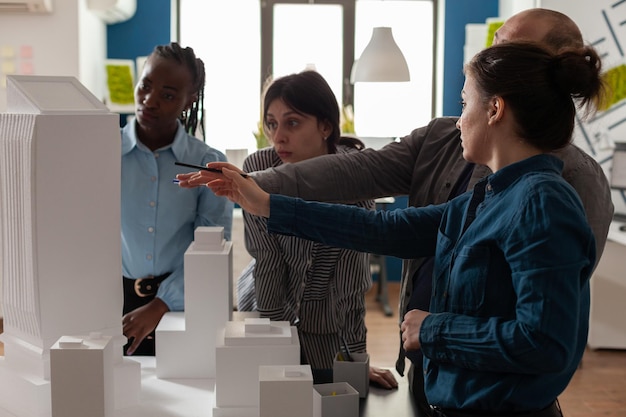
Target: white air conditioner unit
<point>26,6</point>
<point>113,11</point>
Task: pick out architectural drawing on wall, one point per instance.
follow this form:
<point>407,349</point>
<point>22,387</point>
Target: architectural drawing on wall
<point>602,23</point>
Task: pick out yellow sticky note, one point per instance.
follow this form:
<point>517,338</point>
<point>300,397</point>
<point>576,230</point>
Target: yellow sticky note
<point>615,79</point>
<point>8,67</point>
<point>120,84</point>
<point>491,30</point>
<point>7,52</point>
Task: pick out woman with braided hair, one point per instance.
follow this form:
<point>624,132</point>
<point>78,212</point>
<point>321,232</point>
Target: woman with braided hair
<point>158,217</point>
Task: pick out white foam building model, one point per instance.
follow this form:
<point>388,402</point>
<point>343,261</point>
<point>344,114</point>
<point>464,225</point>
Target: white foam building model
<point>243,347</point>
<point>81,375</point>
<point>285,391</point>
<point>186,341</point>
<point>61,247</point>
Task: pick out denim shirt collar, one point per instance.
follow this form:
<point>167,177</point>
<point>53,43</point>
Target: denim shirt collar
<point>509,174</point>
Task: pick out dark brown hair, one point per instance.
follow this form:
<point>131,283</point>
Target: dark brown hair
<point>543,89</point>
<point>308,92</point>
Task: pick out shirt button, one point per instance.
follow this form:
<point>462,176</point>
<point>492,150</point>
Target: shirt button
<point>152,204</point>
<point>303,284</point>
<point>153,178</point>
<point>149,257</point>
<point>156,154</point>
<point>489,187</point>
<point>150,229</point>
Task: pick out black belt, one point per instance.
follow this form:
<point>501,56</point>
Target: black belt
<point>145,287</point>
<point>553,410</point>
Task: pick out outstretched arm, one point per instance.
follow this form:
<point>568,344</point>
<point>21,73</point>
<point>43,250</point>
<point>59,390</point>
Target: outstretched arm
<point>230,184</point>
<point>364,175</point>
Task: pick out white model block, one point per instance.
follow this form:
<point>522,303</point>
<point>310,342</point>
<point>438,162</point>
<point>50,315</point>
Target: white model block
<point>237,370</point>
<point>257,325</point>
<point>81,375</point>
<point>338,399</point>
<point>61,272</point>
<point>285,391</point>
<point>264,333</point>
<point>185,342</point>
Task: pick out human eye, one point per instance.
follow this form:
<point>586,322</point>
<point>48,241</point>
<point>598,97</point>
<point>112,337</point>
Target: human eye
<point>168,96</point>
<point>271,125</point>
<point>462,103</point>
<point>293,122</point>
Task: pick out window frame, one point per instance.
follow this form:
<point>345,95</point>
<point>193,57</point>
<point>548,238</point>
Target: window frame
<point>267,39</point>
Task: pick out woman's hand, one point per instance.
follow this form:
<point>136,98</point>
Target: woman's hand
<point>230,184</point>
<point>383,378</point>
<point>197,179</point>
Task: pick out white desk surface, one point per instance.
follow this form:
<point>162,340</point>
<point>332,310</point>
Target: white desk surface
<point>196,397</point>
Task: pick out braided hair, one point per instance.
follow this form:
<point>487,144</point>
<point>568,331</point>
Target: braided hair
<point>190,118</point>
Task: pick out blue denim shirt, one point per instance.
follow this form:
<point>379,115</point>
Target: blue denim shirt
<point>510,302</point>
<point>158,217</point>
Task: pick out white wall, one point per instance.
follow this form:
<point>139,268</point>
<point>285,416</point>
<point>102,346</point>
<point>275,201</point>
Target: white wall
<point>508,8</point>
<point>69,41</point>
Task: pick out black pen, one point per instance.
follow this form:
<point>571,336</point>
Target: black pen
<point>346,349</point>
<point>200,167</point>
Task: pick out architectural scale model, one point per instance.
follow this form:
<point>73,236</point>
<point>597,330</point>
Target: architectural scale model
<point>60,222</point>
<point>285,391</point>
<point>186,341</point>
<point>243,348</point>
<point>81,375</point>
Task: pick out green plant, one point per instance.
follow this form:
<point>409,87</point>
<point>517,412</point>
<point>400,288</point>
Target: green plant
<point>347,119</point>
<point>261,139</point>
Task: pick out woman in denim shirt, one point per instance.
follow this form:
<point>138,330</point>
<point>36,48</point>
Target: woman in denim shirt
<point>510,304</point>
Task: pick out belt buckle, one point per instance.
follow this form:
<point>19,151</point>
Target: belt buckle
<point>148,290</point>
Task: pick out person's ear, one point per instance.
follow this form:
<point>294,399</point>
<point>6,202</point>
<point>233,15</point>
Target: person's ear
<point>496,110</point>
<point>326,129</point>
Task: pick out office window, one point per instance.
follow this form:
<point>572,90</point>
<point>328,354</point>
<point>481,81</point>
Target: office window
<point>227,36</point>
<point>305,36</point>
<point>394,109</point>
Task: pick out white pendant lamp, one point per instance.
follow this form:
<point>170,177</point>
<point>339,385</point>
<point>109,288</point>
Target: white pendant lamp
<point>381,60</point>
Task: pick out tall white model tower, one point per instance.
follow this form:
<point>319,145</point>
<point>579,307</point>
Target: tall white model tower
<point>60,222</point>
<point>186,341</point>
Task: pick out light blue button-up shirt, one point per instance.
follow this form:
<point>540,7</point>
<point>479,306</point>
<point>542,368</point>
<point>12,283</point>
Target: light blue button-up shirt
<point>159,217</point>
<point>510,301</point>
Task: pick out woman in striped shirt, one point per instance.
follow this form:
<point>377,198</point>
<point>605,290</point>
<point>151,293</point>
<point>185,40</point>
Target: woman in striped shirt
<point>317,288</point>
